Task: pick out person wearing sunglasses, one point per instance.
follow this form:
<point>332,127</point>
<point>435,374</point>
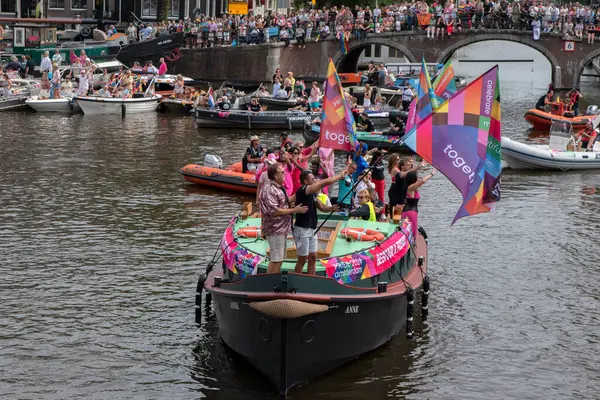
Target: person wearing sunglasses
<point>366,210</point>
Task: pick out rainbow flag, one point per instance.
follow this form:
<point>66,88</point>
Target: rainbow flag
<point>338,128</point>
<point>343,42</point>
<point>426,100</point>
<point>462,140</point>
<point>444,85</point>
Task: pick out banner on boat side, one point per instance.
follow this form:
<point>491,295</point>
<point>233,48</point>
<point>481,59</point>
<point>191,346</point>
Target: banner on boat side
<point>372,262</point>
<point>237,259</point>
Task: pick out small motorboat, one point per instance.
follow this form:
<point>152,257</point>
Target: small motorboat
<point>559,154</point>
<point>13,102</point>
<point>117,106</point>
<point>213,175</point>
<point>63,105</point>
<point>293,327</point>
<point>382,140</point>
<point>215,118</point>
<point>274,104</point>
<point>176,106</point>
<point>542,120</point>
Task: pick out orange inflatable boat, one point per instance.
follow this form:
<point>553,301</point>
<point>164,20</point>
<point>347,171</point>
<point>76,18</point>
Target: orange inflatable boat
<point>542,120</point>
<point>226,179</point>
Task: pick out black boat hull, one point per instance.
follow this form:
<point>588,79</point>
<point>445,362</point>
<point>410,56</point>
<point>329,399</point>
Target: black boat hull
<point>212,118</point>
<point>290,352</point>
<point>162,46</point>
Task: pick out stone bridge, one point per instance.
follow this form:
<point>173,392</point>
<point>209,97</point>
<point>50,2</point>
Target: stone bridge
<point>258,63</point>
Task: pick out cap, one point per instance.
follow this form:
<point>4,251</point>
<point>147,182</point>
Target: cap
<point>253,138</point>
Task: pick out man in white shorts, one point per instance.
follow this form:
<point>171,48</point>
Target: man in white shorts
<point>276,215</point>
<point>306,224</point>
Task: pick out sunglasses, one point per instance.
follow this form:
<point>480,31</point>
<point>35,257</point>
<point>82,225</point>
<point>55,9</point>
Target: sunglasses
<point>361,197</point>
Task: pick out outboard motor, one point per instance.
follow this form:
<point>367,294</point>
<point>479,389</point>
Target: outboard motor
<point>592,110</point>
<point>213,161</point>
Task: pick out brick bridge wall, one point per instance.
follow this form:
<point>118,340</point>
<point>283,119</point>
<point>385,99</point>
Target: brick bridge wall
<point>258,63</point>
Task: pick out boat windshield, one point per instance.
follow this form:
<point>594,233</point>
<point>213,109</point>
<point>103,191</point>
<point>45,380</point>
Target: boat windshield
<point>561,135</point>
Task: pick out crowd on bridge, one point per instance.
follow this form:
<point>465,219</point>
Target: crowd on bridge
<point>440,20</point>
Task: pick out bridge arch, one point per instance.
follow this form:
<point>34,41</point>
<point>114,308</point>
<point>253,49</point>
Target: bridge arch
<point>349,62</point>
<point>507,37</point>
<point>588,58</point>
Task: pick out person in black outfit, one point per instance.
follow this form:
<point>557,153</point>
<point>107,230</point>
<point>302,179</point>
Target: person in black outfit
<point>364,123</point>
<point>254,106</point>
<point>545,99</point>
<point>399,187</point>
<point>304,228</point>
<point>396,126</point>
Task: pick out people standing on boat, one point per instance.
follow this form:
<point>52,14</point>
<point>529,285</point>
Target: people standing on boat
<point>57,58</point>
<point>411,210</point>
<point>46,63</point>
<point>377,173</point>
<point>254,106</point>
<point>162,66</point>
<point>132,33</point>
<point>44,87</point>
<point>286,143</point>
<point>574,96</point>
<point>366,208</point>
<point>300,160</point>
<point>5,85</point>
<point>367,96</point>
<point>276,215</point>
<point>73,57</point>
<point>30,67</point>
<point>315,94</point>
<point>84,82</point>
<point>586,137</point>
<point>151,68</point>
<point>345,195</point>
<point>55,82</point>
<point>407,97</point>
<point>277,75</point>
<point>398,169</point>
<point>306,223</point>
<point>67,87</point>
<point>127,81</point>
<point>83,58</point>
<point>179,87</point>
<point>359,159</point>
<point>254,155</point>
<point>545,100</point>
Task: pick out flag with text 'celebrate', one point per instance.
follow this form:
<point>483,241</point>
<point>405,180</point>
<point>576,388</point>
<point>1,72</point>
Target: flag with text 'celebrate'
<point>426,100</point>
<point>444,85</point>
<point>338,129</point>
<point>461,139</point>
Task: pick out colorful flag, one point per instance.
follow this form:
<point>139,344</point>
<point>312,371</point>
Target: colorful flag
<point>343,42</point>
<point>211,100</point>
<point>426,100</point>
<point>462,140</point>
<point>338,129</point>
<point>444,85</point>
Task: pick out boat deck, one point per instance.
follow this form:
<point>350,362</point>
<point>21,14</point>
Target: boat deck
<point>330,242</point>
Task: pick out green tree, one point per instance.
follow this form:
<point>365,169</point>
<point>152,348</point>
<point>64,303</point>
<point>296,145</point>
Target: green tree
<point>162,10</point>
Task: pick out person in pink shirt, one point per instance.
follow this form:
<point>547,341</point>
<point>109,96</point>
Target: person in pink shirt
<point>162,69</point>
<point>300,159</point>
<point>288,167</point>
<point>83,57</point>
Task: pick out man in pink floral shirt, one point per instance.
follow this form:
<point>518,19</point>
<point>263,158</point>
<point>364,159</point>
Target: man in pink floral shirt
<point>276,213</point>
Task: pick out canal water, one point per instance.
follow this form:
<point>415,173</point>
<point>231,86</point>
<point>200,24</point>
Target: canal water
<point>102,242</point>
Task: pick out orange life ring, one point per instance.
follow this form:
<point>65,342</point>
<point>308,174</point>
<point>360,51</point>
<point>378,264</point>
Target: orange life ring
<point>363,235</point>
<point>250,232</point>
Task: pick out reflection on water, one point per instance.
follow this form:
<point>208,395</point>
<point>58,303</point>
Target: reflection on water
<point>101,244</point>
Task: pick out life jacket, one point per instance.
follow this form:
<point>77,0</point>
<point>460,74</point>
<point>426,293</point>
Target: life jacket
<point>323,198</point>
<point>372,215</point>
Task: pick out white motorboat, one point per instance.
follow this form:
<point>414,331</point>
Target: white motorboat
<point>62,105</point>
<point>117,106</point>
<point>559,154</point>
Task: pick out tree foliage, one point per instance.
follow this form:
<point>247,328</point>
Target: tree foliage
<point>162,10</point>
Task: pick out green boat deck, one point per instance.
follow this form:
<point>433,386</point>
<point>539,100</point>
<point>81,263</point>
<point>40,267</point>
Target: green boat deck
<point>330,242</point>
